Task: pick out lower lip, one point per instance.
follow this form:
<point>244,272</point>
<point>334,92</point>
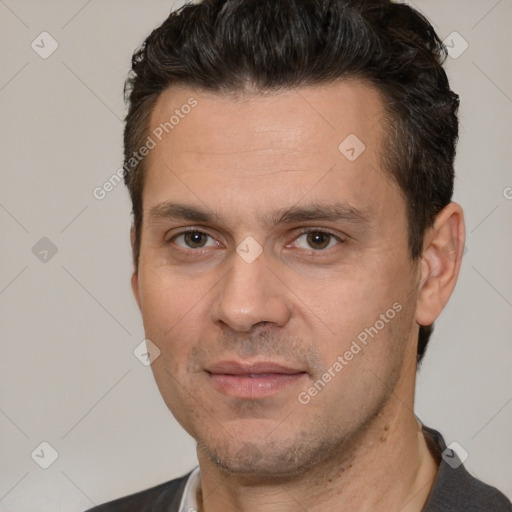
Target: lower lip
<point>254,386</point>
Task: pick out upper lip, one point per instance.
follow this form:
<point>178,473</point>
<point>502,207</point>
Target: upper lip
<point>240,368</point>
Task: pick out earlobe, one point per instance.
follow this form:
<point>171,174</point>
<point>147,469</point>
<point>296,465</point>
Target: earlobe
<point>442,256</point>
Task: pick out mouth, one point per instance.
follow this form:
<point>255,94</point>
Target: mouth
<point>252,381</point>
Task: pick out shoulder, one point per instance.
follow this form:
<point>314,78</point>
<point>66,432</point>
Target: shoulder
<point>456,489</point>
<point>164,497</point>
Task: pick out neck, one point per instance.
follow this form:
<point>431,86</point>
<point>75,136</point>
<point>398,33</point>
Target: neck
<point>386,467</point>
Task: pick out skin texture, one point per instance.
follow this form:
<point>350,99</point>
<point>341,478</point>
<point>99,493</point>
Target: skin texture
<point>356,443</point>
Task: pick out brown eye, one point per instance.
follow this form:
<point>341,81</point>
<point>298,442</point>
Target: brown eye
<point>194,240</point>
<point>318,239</point>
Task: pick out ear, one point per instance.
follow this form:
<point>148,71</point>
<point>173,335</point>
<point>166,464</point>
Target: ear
<point>135,274</point>
<point>443,249</point>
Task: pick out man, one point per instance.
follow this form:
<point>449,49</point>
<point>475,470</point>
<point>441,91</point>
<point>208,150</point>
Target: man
<point>290,165</point>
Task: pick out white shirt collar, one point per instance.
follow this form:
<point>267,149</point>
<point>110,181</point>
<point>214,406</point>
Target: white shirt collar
<point>188,500</point>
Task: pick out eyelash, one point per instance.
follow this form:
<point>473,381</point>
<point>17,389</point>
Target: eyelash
<point>316,252</point>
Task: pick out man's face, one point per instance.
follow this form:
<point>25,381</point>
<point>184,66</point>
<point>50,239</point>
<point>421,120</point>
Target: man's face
<point>268,255</point>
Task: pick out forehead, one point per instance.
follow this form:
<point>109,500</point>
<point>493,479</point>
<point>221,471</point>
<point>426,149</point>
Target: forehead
<point>270,120</point>
<point>321,141</point>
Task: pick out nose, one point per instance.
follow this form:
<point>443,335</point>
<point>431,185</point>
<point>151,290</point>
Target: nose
<point>250,294</point>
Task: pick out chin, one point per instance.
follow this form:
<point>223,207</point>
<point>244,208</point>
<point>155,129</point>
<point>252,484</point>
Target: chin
<point>263,459</point>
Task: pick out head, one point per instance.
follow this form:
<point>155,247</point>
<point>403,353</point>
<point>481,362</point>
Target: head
<point>249,123</point>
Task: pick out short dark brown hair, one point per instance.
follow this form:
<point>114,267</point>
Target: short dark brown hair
<point>224,46</point>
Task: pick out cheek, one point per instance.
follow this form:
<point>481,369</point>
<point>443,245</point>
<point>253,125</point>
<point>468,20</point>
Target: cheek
<point>366,307</point>
<point>173,311</point>
<point>167,298</point>
<point>346,300</point>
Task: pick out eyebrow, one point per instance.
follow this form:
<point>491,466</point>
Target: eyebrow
<point>333,212</point>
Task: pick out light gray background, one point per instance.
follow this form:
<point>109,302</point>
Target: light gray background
<point>69,325</point>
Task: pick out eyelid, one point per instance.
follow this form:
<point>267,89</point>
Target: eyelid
<point>313,229</point>
<point>188,229</point>
<point>302,231</point>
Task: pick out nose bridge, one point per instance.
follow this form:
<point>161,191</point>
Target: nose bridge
<point>250,293</point>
